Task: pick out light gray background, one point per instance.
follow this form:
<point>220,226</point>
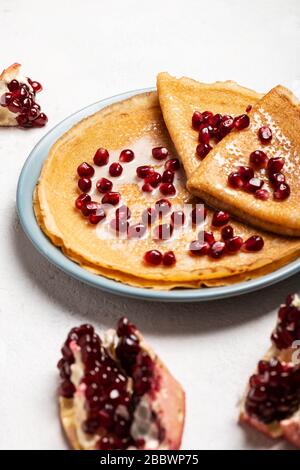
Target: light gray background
<point>83,51</point>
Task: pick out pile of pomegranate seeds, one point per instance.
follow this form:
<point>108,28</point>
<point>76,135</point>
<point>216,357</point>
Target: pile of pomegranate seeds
<point>153,179</point>
<point>109,401</point>
<point>244,178</point>
<point>288,326</point>
<point>155,258</point>
<point>20,99</point>
<point>215,127</point>
<point>274,391</point>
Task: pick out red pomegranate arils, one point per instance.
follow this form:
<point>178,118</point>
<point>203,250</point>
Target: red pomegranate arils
<point>227,232</point>
<point>153,257</point>
<point>254,243</point>
<point>163,206</point>
<point>259,159</point>
<point>206,115</point>
<point>207,237</point>
<point>84,184</point>
<point>82,200</point>
<point>169,258</point>
<point>226,126</point>
<point>282,192</point>
<point>173,164</point>
<point>235,180</point>
<point>246,173</point>
<point>126,156</point>
<point>112,198</point>
<point>167,189</point>
<point>101,157</point>
<point>199,248</point>
<point>197,120</point>
<point>262,194</point>
<point>104,185</point>
<point>217,250</point>
<point>144,171</point>
<point>275,165</point>
<point>277,178</point>
<point>168,176</point>
<point>153,179</point>
<point>97,217</point>
<point>220,218</point>
<point>203,149</point>
<point>249,108</point>
<point>253,185</point>
<point>115,169</point>
<point>204,135</point>
<point>91,208</point>
<point>234,244</point>
<point>265,134</point>
<point>147,188</point>
<point>241,122</point>
<point>160,153</point>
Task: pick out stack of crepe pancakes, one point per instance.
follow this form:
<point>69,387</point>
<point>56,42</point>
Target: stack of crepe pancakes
<point>163,118</point>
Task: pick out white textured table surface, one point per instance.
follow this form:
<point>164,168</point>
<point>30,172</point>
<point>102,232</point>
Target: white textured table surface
<point>83,51</point>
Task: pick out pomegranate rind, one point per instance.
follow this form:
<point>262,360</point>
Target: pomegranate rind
<point>168,403</point>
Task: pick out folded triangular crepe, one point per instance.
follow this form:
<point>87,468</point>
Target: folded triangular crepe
<point>179,98</point>
<point>277,211</point>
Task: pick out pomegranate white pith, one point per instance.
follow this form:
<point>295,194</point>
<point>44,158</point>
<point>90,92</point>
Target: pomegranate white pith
<point>272,400</point>
<point>116,393</point>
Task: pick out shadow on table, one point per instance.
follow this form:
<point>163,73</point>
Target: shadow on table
<point>86,303</point>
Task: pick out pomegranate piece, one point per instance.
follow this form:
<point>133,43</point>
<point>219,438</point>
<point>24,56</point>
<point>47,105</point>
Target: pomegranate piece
<point>207,115</point>
<point>253,185</point>
<point>147,188</point>
<point>249,108</point>
<point>287,329</point>
<point>254,243</point>
<point>84,184</point>
<point>204,135</point>
<point>91,207</point>
<point>162,206</point>
<point>203,149</point>
<point>169,258</point>
<point>97,217</point>
<point>85,170</point>
<point>199,248</point>
<point>126,156</point>
<point>104,185</point>
<point>217,250</point>
<point>160,153</point>
<point>115,169</point>
<point>112,198</point>
<point>259,159</point>
<point>277,178</point>
<point>149,216</point>
<point>153,257</point>
<point>234,244</point>
<point>168,176</point>
<point>167,189</point>
<point>173,164</point>
<point>241,122</point>
<point>178,218</point>
<point>101,157</point>
<point>227,232</point>
<point>144,171</point>
<point>137,230</point>
<point>207,237</point>
<point>282,192</point>
<point>82,200</point>
<point>163,232</point>
<point>262,194</point>
<point>153,179</point>
<point>246,173</point>
<point>199,214</point>
<point>116,413</point>
<point>275,165</point>
<point>235,180</point>
<point>265,134</point>
<point>226,126</point>
<point>220,218</point>
<point>197,120</point>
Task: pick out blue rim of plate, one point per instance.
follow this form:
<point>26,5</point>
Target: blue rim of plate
<point>27,181</point>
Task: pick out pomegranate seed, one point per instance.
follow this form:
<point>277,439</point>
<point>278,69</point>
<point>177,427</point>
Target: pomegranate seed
<point>207,115</point>
<point>234,244</point>
<point>41,120</point>
<point>137,230</point>
<point>22,120</point>
<point>169,258</point>
<point>119,225</point>
<point>82,200</point>
<point>84,184</point>
<point>254,243</point>
<point>275,165</point>
<point>253,185</point>
<point>6,99</point>
<point>265,134</point>
<point>198,214</point>
<point>33,113</point>
<point>126,156</point>
<point>215,120</point>
<point>153,179</point>
<point>147,188</point>
<point>226,126</point>
<point>97,217</point>
<point>241,122</point>
<point>197,120</point>
<point>203,149</point>
<point>112,198</point>
<point>204,135</point>
<point>282,192</point>
<point>259,159</point>
<point>27,103</point>
<point>153,257</point>
<point>67,389</point>
<point>199,248</point>
<point>217,250</point>
<point>163,206</point>
<point>36,86</point>
<point>123,212</point>
<point>207,237</point>
<point>246,173</point>
<point>91,208</point>
<point>173,164</point>
<point>177,218</point>
<point>249,108</point>
<point>15,106</point>
<point>167,189</point>
<point>149,216</point>
<point>168,176</point>
<point>160,153</point>
<point>163,232</point>
<point>220,218</point>
<point>85,170</point>
<point>101,157</point>
<point>144,171</point>
<point>115,169</point>
<point>13,85</point>
<point>277,178</point>
<point>104,185</point>
<point>227,232</point>
<point>262,194</point>
<point>235,180</point>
